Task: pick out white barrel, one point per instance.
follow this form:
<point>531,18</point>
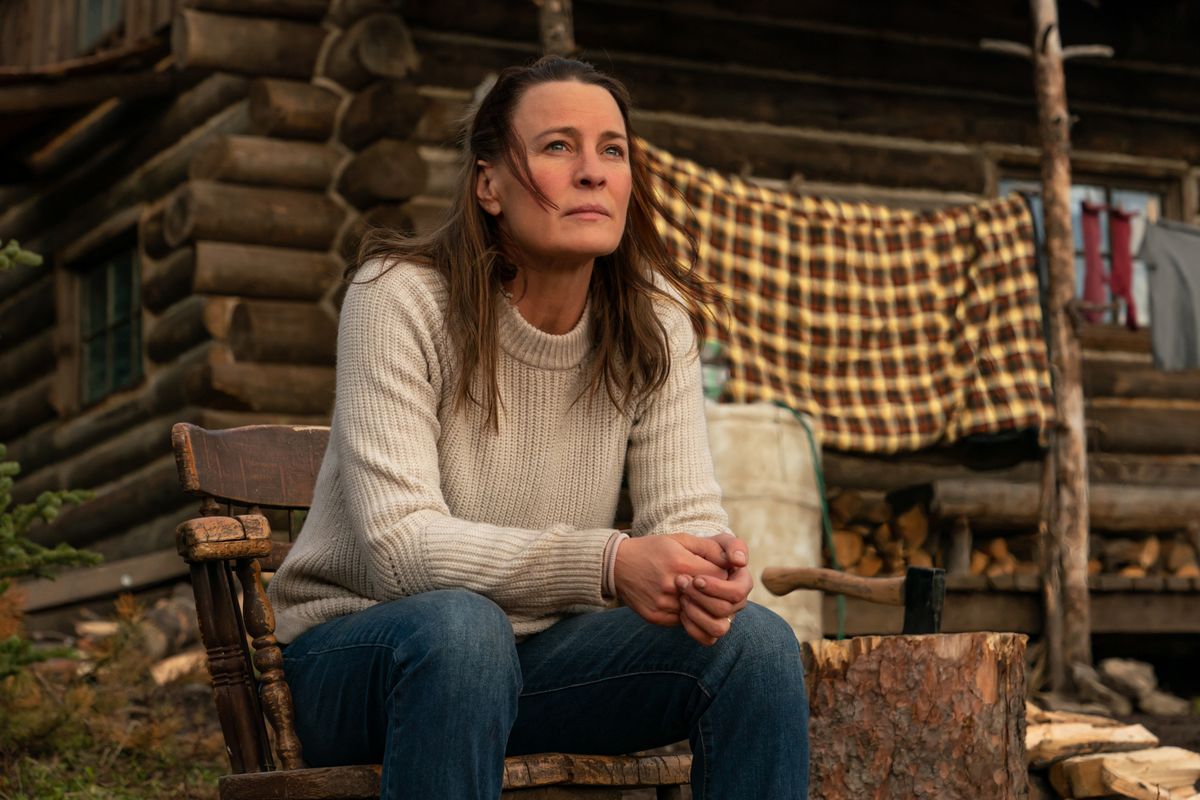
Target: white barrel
<point>764,464</point>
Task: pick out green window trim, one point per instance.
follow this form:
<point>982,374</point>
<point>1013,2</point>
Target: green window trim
<point>110,335</point>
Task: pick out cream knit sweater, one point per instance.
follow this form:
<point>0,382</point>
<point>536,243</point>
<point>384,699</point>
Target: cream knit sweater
<point>414,495</point>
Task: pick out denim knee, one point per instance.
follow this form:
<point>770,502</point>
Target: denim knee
<point>465,642</point>
<point>765,640</point>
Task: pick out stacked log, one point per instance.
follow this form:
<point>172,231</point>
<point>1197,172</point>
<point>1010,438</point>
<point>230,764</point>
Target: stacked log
<point>995,536</point>
<point>872,538</point>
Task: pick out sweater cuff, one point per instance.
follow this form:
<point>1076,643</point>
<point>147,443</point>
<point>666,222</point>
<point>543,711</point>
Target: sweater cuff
<point>609,585</point>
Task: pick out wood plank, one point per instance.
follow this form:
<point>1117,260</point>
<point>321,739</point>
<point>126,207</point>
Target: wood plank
<point>797,38</point>
<point>1050,742</point>
<point>29,359</point>
<point>1144,425</point>
<point>109,168</point>
<point>1171,768</point>
<point>251,215</point>
<point>1125,611</point>
<point>1115,338</point>
<point>117,505</point>
<point>27,312</point>
<point>85,90</point>
<point>165,389</point>
<point>1145,612</point>
<point>1107,378</point>
<point>792,154</point>
<point>26,406</point>
<point>254,45</point>
<point>283,273</point>
<point>105,580</point>
<point>991,504</point>
<point>242,465</point>
<point>264,161</point>
<point>292,9</point>
<point>783,97</point>
<point>281,331</point>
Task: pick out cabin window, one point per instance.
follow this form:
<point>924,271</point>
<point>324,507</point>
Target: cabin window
<point>1147,207</point>
<point>98,19</point>
<point>110,335</point>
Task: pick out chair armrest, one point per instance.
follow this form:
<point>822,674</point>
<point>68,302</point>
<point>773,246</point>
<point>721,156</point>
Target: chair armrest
<point>224,538</point>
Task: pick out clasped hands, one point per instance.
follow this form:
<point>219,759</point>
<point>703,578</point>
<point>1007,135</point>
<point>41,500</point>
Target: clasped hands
<point>679,579</point>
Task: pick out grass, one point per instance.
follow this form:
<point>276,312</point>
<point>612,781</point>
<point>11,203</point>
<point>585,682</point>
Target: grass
<point>108,731</point>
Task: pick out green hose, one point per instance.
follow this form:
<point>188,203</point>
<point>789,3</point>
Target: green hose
<point>826,522</point>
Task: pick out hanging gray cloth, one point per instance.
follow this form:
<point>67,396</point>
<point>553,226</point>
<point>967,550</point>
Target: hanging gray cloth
<point>1171,251</point>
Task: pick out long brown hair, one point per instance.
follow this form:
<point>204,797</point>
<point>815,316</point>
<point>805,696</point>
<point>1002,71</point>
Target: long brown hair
<point>631,354</point>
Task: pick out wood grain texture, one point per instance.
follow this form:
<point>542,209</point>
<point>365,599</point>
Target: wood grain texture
<point>543,775</point>
<point>273,690</point>
<point>267,465</point>
<point>781,580</point>
<point>291,109</point>
<point>255,45</point>
<point>917,716</point>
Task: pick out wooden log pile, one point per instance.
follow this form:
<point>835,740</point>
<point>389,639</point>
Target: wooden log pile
<point>1079,755</point>
<point>876,534</point>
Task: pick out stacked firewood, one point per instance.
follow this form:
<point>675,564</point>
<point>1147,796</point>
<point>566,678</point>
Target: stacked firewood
<point>1075,755</point>
<point>1168,555</point>
<point>870,538</point>
<point>876,534</point>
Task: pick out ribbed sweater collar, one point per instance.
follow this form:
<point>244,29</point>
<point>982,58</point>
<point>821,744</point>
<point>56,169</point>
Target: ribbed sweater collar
<point>539,349</point>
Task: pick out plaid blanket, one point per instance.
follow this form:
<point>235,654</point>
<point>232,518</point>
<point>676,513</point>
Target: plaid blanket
<point>898,329</point>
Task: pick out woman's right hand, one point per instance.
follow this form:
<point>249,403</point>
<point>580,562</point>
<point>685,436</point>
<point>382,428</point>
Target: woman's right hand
<point>647,567</point>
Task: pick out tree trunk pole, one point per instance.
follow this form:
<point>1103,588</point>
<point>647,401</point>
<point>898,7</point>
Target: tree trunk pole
<point>557,27</point>
<point>1069,514</point>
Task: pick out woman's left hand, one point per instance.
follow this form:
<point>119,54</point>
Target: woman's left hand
<point>707,604</point>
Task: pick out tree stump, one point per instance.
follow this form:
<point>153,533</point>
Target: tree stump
<point>917,717</point>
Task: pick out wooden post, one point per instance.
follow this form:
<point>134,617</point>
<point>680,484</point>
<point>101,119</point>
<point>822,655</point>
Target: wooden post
<point>557,27</point>
<point>1068,524</point>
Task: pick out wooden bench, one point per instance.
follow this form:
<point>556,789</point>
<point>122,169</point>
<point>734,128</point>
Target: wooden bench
<point>241,475</point>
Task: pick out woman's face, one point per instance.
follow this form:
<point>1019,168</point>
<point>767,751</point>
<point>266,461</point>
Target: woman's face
<point>575,142</point>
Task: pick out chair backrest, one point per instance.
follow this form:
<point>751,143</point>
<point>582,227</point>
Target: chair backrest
<point>270,466</point>
<point>257,467</point>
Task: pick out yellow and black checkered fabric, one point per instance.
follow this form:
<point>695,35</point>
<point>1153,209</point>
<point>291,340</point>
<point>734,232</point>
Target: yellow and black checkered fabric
<point>898,329</point>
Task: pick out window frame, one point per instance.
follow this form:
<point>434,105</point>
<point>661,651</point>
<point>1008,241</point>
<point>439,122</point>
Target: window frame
<point>115,235</point>
<point>1168,179</point>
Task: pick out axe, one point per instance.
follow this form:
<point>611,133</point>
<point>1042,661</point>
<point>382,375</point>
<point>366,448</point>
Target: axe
<point>921,591</point>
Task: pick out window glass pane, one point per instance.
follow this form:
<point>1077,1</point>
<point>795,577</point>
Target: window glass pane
<point>91,23</point>
<point>1141,292</point>
<point>110,326</point>
<point>95,302</point>
<point>122,355</point>
<point>113,13</point>
<point>95,369</point>
<point>122,287</point>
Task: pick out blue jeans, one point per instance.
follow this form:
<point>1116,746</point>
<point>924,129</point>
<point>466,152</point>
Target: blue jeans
<point>435,688</point>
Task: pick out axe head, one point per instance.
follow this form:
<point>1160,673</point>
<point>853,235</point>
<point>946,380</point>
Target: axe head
<point>924,594</point>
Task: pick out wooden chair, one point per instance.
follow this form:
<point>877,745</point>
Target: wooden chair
<point>272,469</point>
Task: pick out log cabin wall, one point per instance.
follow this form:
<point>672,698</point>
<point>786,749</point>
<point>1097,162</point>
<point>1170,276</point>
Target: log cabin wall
<point>303,121</point>
<point>35,33</point>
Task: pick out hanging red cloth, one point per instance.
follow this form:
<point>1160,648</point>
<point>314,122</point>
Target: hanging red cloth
<point>1121,275</point>
<point>1093,262</point>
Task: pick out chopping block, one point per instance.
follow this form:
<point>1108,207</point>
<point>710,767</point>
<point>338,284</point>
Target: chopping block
<point>919,715</point>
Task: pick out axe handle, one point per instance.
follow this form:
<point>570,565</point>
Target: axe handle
<point>781,580</point>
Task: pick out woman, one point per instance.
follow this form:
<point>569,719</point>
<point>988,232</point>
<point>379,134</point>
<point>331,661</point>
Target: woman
<point>445,603</point>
